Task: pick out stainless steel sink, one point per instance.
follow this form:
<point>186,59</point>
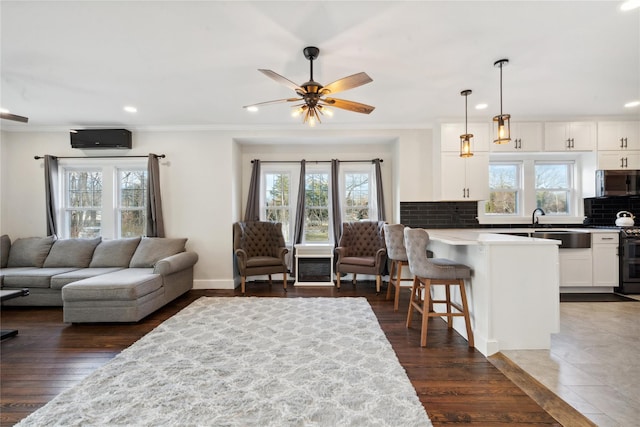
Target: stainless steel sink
<point>570,239</point>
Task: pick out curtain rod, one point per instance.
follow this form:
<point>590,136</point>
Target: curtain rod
<point>317,161</point>
<point>160,156</point>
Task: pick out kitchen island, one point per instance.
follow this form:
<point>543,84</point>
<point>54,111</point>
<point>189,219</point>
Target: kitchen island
<point>514,288</point>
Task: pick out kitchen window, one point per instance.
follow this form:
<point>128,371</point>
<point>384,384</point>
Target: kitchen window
<point>519,185</point>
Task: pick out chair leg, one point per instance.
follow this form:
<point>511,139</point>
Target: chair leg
<point>447,291</point>
<point>414,289</point>
<point>353,281</point>
<point>425,313</point>
<point>465,307</point>
<point>284,280</point>
<point>393,266</point>
<point>378,281</point>
<point>338,279</point>
<point>242,284</point>
<point>270,282</point>
<point>396,299</point>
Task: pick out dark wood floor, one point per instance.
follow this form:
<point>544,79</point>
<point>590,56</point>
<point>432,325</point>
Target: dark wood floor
<point>456,385</point>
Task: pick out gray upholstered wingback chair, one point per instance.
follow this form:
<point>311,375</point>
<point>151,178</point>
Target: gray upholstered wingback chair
<point>362,250</point>
<point>260,249</point>
<point>397,253</point>
<point>430,272</point>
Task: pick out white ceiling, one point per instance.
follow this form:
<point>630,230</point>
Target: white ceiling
<point>73,64</point>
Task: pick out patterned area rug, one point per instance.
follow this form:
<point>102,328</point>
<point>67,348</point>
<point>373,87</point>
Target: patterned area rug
<point>249,362</point>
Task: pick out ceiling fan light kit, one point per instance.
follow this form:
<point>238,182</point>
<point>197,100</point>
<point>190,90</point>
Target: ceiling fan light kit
<point>465,139</point>
<point>502,122</point>
<point>314,96</point>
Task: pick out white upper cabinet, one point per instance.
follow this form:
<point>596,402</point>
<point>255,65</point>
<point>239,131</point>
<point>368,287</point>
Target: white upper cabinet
<point>464,179</point>
<point>450,136</point>
<point>570,136</point>
<point>525,137</point>
<point>618,136</point>
<point>612,160</point>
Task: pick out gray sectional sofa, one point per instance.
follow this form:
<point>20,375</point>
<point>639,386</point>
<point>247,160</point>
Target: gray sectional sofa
<point>97,280</point>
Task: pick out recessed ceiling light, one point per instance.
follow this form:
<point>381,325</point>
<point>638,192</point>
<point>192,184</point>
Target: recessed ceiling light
<point>481,106</point>
<point>130,109</point>
<point>632,104</point>
<point>252,108</point>
<point>630,5</point>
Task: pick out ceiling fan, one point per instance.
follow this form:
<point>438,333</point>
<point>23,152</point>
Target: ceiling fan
<point>8,116</point>
<point>315,97</point>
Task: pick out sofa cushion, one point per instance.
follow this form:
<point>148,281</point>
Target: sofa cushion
<point>33,277</point>
<point>153,249</point>
<point>71,253</point>
<point>128,284</point>
<point>5,246</point>
<point>30,251</point>
<point>114,253</point>
<point>60,280</point>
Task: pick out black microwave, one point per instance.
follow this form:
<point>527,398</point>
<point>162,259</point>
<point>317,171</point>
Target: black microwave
<point>617,183</point>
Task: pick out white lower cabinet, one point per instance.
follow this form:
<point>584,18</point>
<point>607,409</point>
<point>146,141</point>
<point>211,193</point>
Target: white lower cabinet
<point>605,259</point>
<point>575,267</point>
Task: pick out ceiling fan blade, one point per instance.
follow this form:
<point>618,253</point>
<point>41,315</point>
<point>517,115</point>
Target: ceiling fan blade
<point>348,105</point>
<point>346,83</point>
<point>282,80</point>
<point>14,117</point>
<point>277,101</point>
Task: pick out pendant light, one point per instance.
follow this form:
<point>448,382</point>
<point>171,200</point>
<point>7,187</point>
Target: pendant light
<point>465,139</point>
<point>502,122</point>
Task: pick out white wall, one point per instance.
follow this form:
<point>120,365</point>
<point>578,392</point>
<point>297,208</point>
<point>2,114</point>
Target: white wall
<point>205,178</point>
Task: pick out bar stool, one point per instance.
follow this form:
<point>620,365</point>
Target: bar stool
<point>430,272</point>
<point>397,253</point>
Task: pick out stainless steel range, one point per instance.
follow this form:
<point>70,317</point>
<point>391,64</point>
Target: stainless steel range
<point>630,260</point>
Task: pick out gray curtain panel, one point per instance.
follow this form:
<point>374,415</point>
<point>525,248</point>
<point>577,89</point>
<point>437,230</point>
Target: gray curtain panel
<point>155,219</point>
<point>50,180</point>
<point>335,201</point>
<point>299,224</point>
<point>252,212</point>
<point>379,194</point>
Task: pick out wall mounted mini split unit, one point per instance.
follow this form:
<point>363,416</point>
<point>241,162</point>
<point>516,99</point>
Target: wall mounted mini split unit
<point>100,138</point>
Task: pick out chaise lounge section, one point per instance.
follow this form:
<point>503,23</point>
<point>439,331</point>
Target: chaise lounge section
<point>120,280</point>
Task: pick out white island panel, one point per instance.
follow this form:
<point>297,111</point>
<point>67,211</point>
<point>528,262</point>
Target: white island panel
<point>514,289</point>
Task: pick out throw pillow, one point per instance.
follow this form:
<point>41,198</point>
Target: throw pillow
<point>5,247</point>
<point>71,253</point>
<point>29,251</point>
<point>153,249</point>
<point>114,253</point>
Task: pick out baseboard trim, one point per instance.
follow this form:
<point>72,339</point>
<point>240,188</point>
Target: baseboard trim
<point>214,284</point>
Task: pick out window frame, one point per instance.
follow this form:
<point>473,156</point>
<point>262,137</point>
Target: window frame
<point>519,189</point>
<point>110,219</point>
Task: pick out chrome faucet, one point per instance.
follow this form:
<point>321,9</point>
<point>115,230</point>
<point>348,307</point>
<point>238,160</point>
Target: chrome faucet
<point>534,218</point>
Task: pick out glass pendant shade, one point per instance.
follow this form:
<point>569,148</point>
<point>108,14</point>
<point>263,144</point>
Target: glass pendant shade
<point>502,128</point>
<point>465,145</point>
<point>501,123</point>
<point>465,139</point>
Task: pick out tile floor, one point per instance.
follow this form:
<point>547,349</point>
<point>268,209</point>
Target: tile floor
<point>594,362</point>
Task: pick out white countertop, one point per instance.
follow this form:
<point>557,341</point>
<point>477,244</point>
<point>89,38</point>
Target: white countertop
<point>492,236</point>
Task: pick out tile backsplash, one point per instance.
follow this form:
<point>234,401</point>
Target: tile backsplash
<point>601,211</point>
<point>439,214</point>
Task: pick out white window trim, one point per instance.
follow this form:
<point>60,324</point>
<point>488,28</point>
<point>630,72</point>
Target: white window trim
<point>369,168</point>
<point>529,201</point>
<point>109,227</point>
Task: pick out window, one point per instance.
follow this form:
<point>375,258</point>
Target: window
<point>504,189</point>
<point>316,209</point>
<point>553,187</point>
<point>83,203</point>
<point>520,184</point>
<point>102,199</point>
<point>356,200</point>
<point>277,197</point>
<point>132,202</point>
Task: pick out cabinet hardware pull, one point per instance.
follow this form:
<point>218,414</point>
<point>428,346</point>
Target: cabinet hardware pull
<point>625,142</point>
<point>621,142</point>
<point>621,162</point>
<point>568,142</point>
<point>607,238</point>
